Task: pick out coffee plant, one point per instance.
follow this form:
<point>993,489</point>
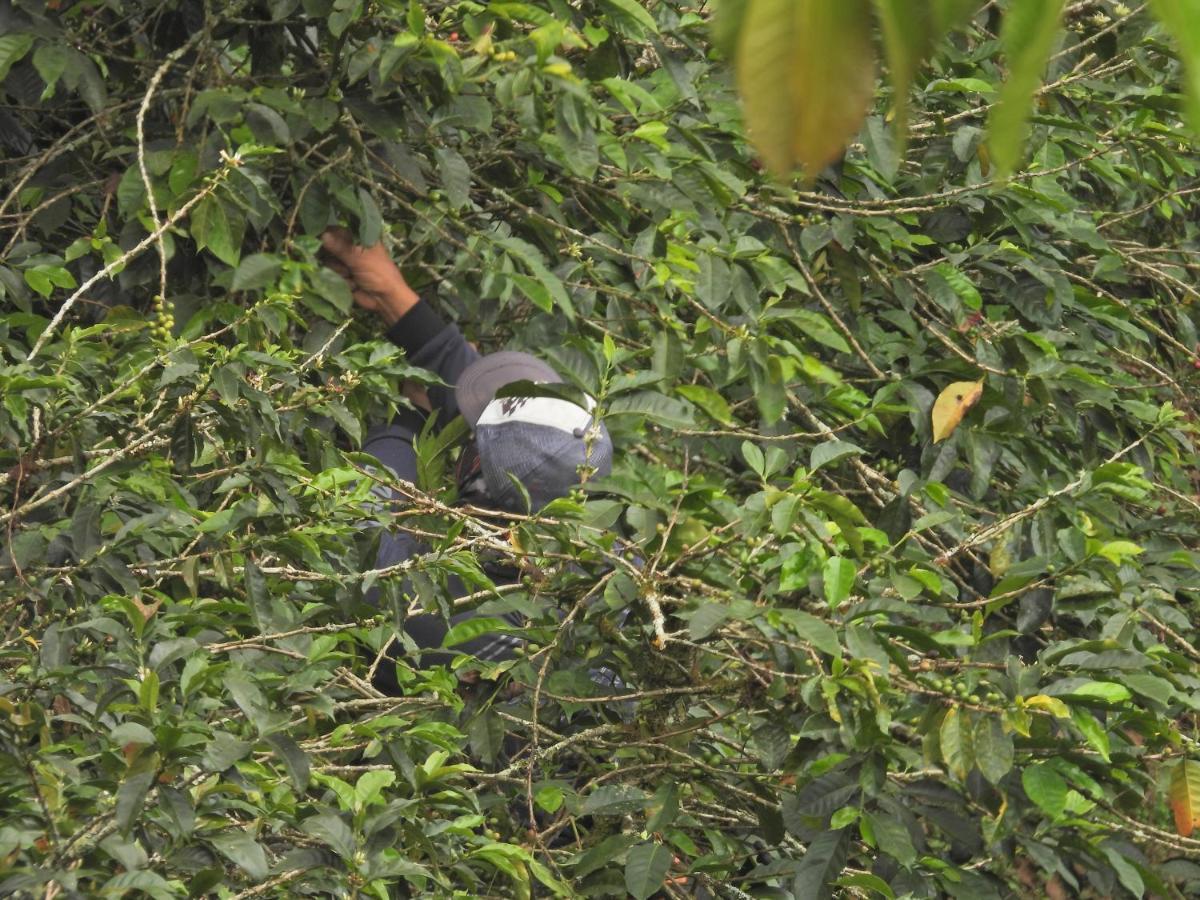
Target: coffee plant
<point>898,566</point>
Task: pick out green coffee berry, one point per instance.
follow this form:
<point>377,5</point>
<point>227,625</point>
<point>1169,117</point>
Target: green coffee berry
<point>164,318</point>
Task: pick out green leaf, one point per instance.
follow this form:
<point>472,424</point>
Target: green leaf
<point>240,848</point>
<point>549,798</point>
<point>821,865</point>
<point>81,75</point>
<point>961,285</point>
<point>957,740</point>
<point>893,838</point>
<point>663,808</point>
<point>881,152</point>
<point>544,288</point>
<point>868,882</point>
<point>1093,731</point>
<point>331,287</point>
<point>646,866</point>
<point>576,136</point>
<point>707,619</point>
<point>295,761</point>
<point>150,883</point>
<point>773,741</point>
<point>220,521</point>
<point>182,364</point>
<point>455,175</point>
<point>131,191</point>
<point>754,458</point>
<point>370,219</point>
<point>601,854</point>
<point>12,48</point>
<point>1028,33</point>
<point>993,748</point>
<point>813,630</point>
<point>844,817</point>
<point>476,627</point>
<point>614,799</point>
<point>344,12</point>
<point>838,576</point>
<point>132,733</point>
<point>631,17</point>
<point>39,279</point>
<point>331,829</point>
<point>1107,691</point>
<point>1046,788</point>
<point>224,750</point>
<point>806,75</point>
<point>50,60</point>
<point>1182,18</point>
<point>370,785</point>
<point>716,406</point>
<point>655,407</point>
<point>653,133</point>
<point>132,792</point>
<point>85,529</point>
<point>183,172</point>
<point>813,325</point>
<point>1116,552</point>
<point>212,229</point>
<point>256,271</point>
<point>1126,871</point>
<point>831,451</point>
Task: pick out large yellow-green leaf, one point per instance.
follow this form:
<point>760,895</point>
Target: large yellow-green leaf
<point>726,25</point>
<point>908,33</point>
<point>949,14</point>
<point>1185,796</point>
<point>1030,27</point>
<point>911,29</point>
<point>806,74</point>
<point>1182,18</point>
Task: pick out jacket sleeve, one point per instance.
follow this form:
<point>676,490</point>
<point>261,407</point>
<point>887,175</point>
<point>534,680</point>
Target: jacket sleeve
<point>438,346</point>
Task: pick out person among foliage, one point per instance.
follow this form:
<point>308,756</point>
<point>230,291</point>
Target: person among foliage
<point>523,451</point>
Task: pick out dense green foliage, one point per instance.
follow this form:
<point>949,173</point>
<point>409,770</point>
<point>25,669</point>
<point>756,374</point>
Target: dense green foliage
<point>860,663</point>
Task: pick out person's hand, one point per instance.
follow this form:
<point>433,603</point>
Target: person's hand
<point>375,281</point>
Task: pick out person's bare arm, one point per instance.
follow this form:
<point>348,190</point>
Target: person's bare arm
<point>378,286</point>
<point>375,280</point>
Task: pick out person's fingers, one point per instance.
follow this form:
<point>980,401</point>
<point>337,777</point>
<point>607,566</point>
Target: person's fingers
<point>338,241</point>
<point>340,268</point>
<point>368,300</point>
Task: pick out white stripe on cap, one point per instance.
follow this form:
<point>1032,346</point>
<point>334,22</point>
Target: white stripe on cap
<point>546,411</point>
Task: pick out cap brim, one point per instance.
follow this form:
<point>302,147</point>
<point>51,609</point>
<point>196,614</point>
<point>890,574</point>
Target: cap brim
<point>477,385</point>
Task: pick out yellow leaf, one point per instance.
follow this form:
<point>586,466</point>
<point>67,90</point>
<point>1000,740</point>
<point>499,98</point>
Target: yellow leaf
<point>484,45</point>
<point>1184,794</point>
<point>952,404</point>
<point>147,609</point>
<point>1050,704</point>
<point>806,75</point>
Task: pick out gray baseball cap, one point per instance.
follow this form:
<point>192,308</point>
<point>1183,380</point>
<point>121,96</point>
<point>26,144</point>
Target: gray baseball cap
<point>542,442</point>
